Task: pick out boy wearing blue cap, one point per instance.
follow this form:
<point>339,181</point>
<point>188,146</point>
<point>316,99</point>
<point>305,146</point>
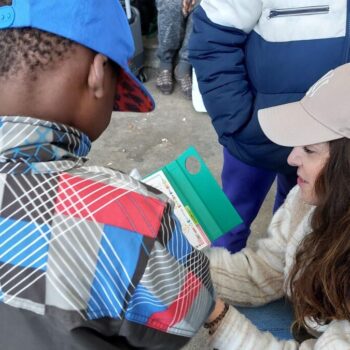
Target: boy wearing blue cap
<point>89,257</point>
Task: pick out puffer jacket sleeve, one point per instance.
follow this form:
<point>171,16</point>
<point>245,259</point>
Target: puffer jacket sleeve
<point>216,50</point>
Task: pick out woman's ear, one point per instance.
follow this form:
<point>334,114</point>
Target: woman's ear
<point>97,75</point>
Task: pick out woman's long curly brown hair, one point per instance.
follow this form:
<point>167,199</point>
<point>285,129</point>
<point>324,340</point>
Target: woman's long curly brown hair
<point>320,278</point>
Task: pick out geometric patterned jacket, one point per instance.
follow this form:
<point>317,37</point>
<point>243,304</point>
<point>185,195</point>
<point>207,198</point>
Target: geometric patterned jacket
<point>89,257</point>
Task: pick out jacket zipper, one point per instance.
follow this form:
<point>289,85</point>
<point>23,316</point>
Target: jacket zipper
<point>300,11</point>
<point>348,33</point>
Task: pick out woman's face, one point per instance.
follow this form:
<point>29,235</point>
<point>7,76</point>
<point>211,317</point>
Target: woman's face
<point>310,160</point>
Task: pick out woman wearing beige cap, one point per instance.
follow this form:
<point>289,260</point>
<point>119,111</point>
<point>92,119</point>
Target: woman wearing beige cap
<point>306,256</point>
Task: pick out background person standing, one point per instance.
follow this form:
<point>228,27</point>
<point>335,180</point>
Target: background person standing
<point>250,55</point>
<point>174,30</point>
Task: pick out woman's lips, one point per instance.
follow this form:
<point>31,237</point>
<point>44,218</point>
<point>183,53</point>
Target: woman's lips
<point>301,181</point>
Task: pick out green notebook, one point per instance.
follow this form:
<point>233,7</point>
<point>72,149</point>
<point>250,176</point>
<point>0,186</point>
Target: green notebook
<point>203,209</point>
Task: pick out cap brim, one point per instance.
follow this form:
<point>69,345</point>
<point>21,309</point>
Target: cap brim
<point>290,125</point>
<point>131,95</point>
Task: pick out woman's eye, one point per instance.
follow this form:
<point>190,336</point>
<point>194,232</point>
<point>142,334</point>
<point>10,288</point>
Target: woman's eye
<point>308,150</point>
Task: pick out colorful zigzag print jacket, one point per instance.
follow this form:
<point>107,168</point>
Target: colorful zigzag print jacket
<point>89,257</point>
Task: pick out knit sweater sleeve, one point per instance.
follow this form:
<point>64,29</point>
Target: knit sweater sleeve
<point>236,332</point>
<point>255,277</point>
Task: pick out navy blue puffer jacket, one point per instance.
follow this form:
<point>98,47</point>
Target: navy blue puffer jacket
<point>253,54</point>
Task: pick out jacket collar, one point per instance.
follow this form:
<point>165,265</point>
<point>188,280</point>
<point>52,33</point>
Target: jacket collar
<point>29,144</point>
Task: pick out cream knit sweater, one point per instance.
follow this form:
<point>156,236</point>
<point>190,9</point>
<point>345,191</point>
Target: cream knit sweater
<point>258,277</point>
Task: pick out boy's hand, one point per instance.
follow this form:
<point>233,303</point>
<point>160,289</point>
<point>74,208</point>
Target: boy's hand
<point>219,307</point>
<point>216,316</point>
<point>187,6</point>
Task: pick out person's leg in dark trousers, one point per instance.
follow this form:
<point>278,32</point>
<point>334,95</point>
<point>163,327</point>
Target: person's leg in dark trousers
<point>184,66</point>
<point>171,31</point>
<point>183,70</point>
<point>246,187</point>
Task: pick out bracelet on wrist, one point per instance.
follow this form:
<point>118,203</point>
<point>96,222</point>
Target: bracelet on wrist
<point>213,325</point>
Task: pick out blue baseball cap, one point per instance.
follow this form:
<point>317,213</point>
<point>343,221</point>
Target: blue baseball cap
<point>100,25</point>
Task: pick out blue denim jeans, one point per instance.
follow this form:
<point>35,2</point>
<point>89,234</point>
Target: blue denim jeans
<point>276,318</point>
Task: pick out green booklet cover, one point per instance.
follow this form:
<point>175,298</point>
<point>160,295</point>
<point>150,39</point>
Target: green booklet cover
<point>203,209</point>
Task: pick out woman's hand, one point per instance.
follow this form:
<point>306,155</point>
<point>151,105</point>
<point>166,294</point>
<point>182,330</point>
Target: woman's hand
<point>187,6</point>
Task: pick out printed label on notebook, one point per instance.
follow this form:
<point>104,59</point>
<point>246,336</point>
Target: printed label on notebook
<point>189,223</point>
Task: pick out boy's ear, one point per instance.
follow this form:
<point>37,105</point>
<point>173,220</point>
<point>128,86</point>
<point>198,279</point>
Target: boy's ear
<point>97,75</point>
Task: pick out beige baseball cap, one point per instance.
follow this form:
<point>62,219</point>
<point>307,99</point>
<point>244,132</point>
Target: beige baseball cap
<point>323,114</point>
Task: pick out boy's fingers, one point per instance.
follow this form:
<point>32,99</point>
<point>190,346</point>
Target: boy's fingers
<point>190,5</point>
<point>185,8</point>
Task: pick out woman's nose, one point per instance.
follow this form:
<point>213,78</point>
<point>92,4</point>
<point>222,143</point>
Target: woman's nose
<point>294,157</point>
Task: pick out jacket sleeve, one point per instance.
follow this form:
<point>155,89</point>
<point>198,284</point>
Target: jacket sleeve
<point>216,51</point>
<point>174,296</point>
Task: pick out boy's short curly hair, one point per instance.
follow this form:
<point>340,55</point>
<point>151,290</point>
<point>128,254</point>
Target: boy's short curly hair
<point>30,49</point>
